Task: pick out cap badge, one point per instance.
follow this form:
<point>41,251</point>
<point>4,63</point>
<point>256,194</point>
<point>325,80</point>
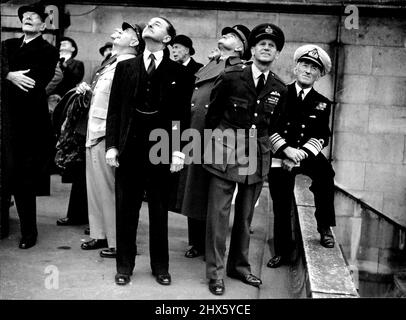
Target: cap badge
<point>314,53</point>
<point>269,29</point>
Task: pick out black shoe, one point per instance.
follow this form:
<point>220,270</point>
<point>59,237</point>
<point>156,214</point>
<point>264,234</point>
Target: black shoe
<point>122,279</point>
<point>276,262</point>
<point>326,238</point>
<point>94,244</point>
<point>246,278</point>
<point>163,278</point>
<point>216,286</point>
<point>27,243</point>
<point>67,222</point>
<point>87,231</point>
<point>193,253</point>
<point>108,253</point>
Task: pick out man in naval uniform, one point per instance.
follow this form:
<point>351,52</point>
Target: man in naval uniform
<point>303,132</point>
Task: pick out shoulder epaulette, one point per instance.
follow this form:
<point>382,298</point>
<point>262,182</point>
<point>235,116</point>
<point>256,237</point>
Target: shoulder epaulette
<point>235,68</point>
<point>277,78</point>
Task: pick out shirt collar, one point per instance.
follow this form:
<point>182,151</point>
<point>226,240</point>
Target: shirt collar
<point>158,55</point>
<point>256,72</point>
<point>305,91</point>
<point>186,62</point>
<point>125,56</point>
<point>29,40</point>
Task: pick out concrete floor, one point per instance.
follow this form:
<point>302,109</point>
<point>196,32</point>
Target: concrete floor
<point>57,269</point>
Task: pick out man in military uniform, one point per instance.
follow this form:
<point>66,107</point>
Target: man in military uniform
<point>304,132</point>
<point>233,46</point>
<point>245,103</point>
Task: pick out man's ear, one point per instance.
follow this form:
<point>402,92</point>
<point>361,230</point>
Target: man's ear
<point>43,27</point>
<point>295,71</point>
<point>252,51</point>
<point>277,55</point>
<point>167,39</point>
<point>239,49</point>
<point>134,43</point>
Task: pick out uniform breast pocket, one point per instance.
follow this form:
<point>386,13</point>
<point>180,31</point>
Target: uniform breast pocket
<point>100,113</point>
<point>236,102</point>
<point>104,83</point>
<point>269,107</point>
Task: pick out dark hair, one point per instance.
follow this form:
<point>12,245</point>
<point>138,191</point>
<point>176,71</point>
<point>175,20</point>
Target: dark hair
<point>170,29</point>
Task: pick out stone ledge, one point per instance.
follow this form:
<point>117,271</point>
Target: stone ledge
<point>327,273</point>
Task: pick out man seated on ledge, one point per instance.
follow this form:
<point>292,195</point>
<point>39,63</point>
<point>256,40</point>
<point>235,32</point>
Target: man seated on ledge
<point>303,132</point>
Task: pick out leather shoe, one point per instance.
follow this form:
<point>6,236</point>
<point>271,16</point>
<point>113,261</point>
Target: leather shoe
<point>122,279</point>
<point>326,238</point>
<point>193,253</point>
<point>94,244</point>
<point>87,231</point>
<point>276,262</point>
<point>246,278</point>
<point>67,222</point>
<point>108,253</point>
<point>163,278</point>
<point>27,243</point>
<point>216,286</point>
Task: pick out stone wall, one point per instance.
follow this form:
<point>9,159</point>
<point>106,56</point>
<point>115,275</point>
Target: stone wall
<point>369,146</point>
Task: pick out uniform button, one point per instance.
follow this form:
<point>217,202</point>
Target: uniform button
<point>286,131</point>
<point>255,114</point>
<point>288,123</point>
<point>192,104</point>
<point>206,106</point>
<point>196,88</point>
<point>97,73</point>
<point>298,141</point>
<point>301,134</point>
<point>235,105</point>
<point>303,126</point>
<point>258,101</point>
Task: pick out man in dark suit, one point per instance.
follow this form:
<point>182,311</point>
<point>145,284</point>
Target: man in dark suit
<point>245,103</point>
<point>148,93</point>
<point>182,49</point>
<point>29,64</point>
<point>303,132</point>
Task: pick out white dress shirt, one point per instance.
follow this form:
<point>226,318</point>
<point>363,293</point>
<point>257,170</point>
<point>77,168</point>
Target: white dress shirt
<point>159,55</point>
<point>305,91</point>
<point>256,73</point>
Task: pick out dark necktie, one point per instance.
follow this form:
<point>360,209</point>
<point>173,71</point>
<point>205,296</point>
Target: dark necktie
<point>261,83</point>
<point>151,67</point>
<point>300,96</point>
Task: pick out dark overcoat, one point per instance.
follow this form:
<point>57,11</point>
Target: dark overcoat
<point>31,136</point>
<point>194,195</point>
